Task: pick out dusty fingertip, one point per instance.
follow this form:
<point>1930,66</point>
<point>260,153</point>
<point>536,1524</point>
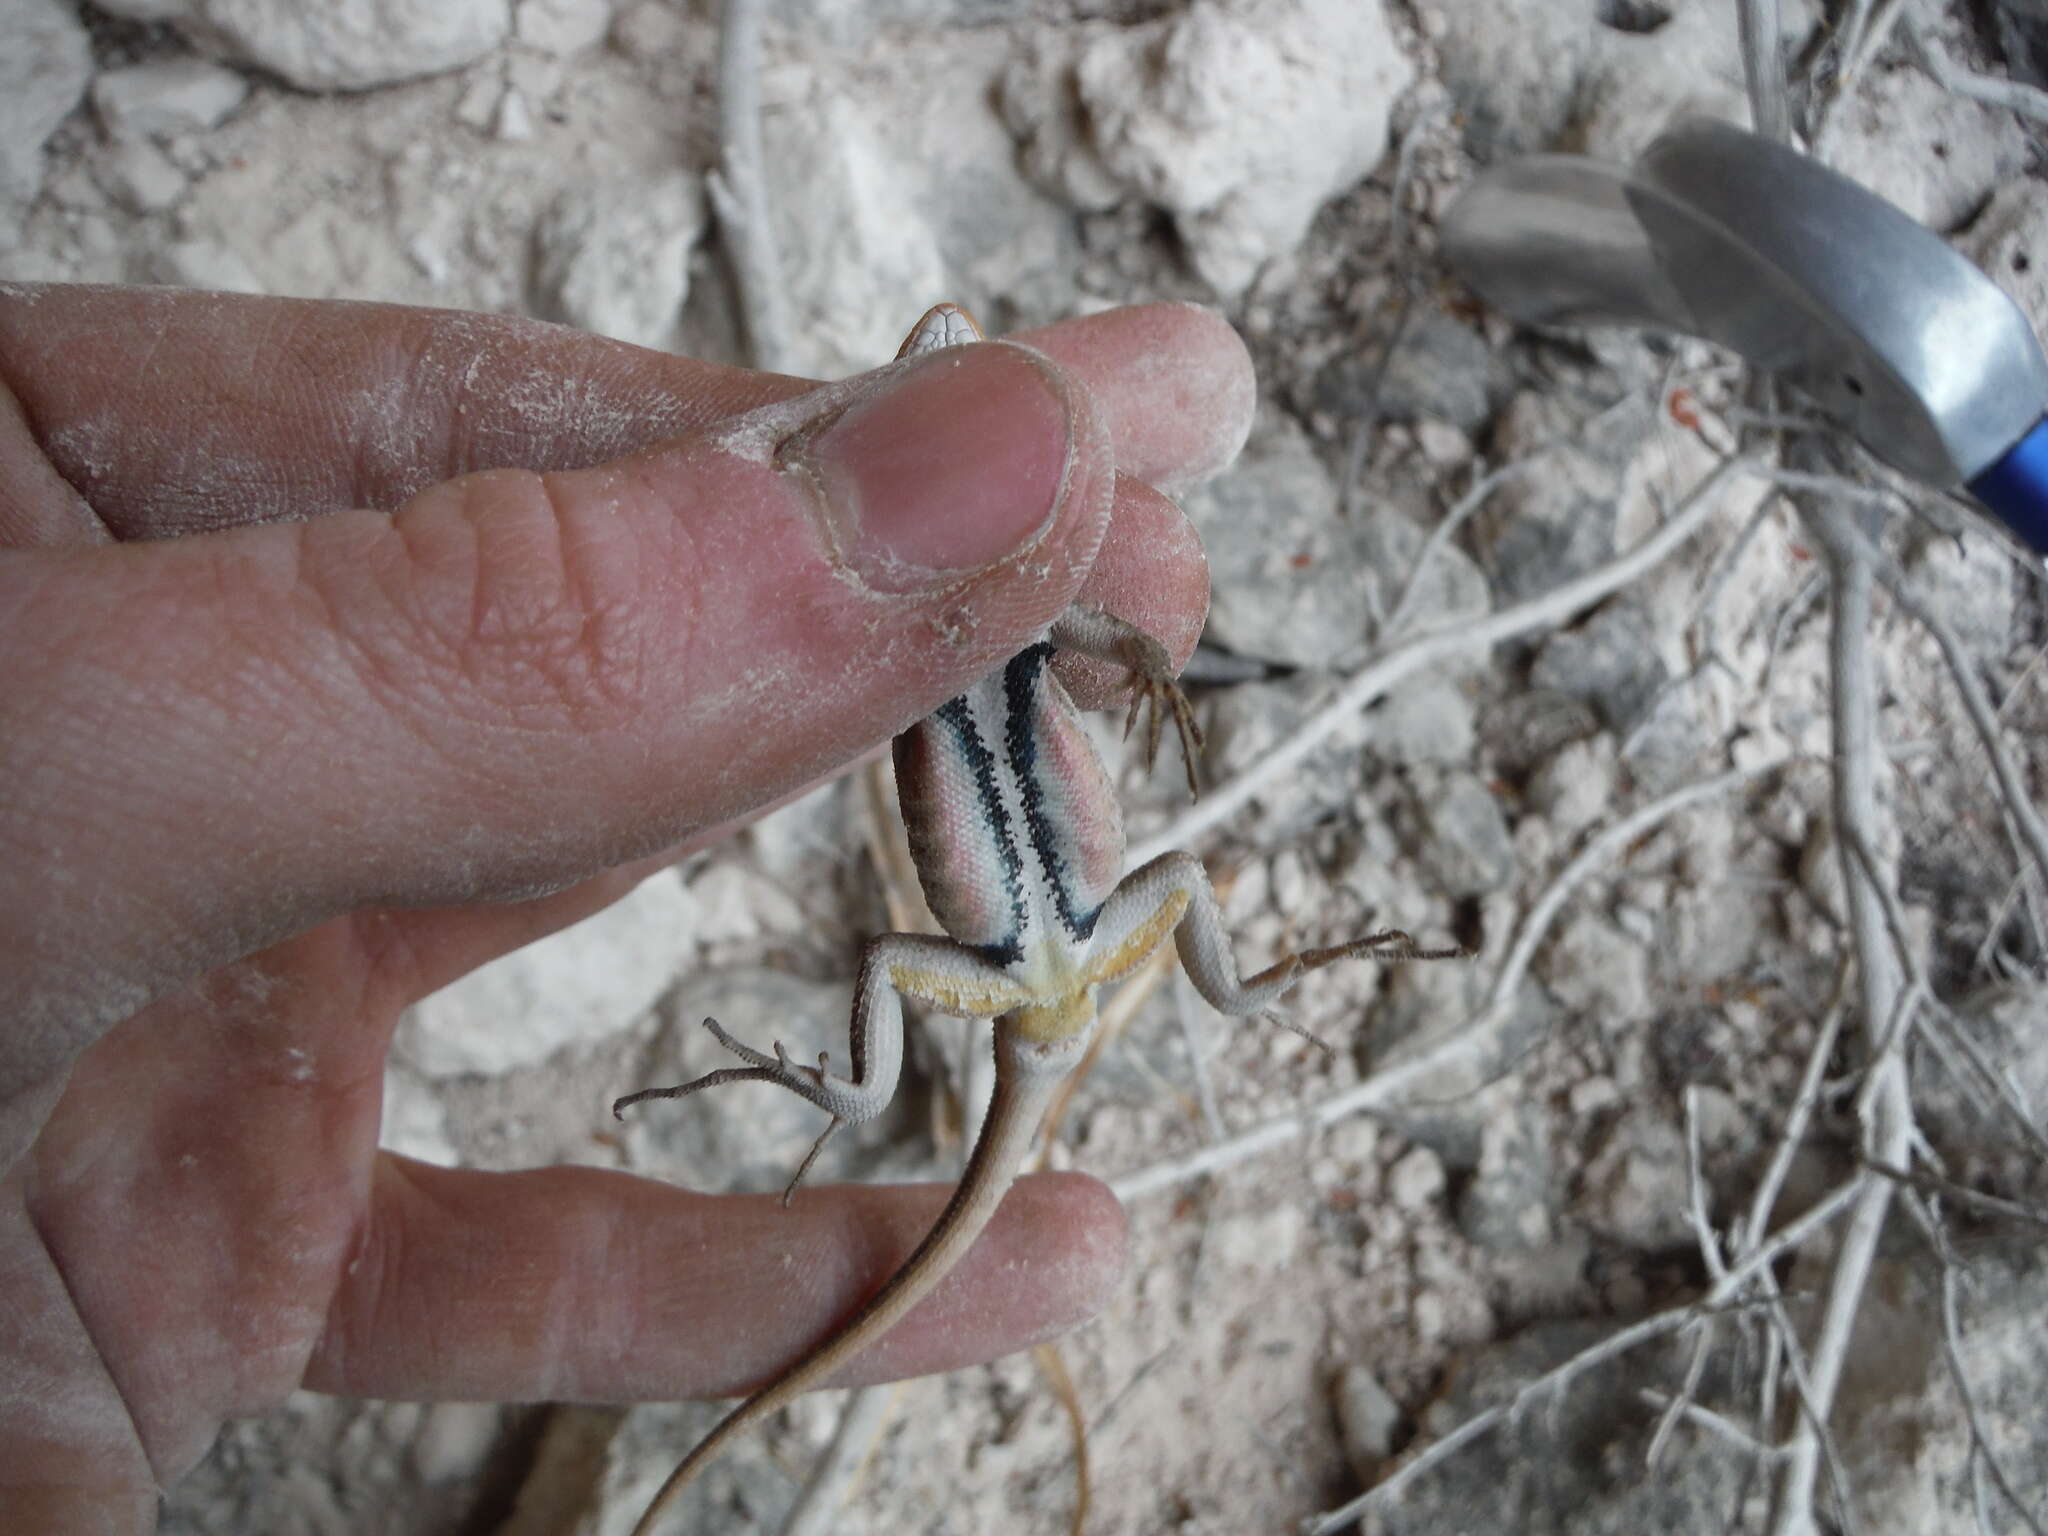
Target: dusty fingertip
<point>1219,392</point>
<point>1094,1250</point>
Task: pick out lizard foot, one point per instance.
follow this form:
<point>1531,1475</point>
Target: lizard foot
<point>1156,695</point>
<point>809,1082</point>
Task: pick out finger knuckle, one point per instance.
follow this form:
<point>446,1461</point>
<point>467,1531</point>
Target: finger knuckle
<point>547,621</point>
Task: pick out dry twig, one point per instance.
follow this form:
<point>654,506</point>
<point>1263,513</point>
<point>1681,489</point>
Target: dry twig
<point>1982,1457</point>
<point>1434,647</point>
<point>1465,1046</point>
<point>2012,95</point>
<point>1558,1378</point>
<point>739,189</point>
<point>864,1413</point>
<point>1888,1118</point>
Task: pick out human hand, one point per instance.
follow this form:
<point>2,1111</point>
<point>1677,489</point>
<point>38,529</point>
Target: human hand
<point>276,768</point>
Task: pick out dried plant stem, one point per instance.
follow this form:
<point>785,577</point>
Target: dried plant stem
<point>1437,646</point>
<point>2027,821</point>
<point>1767,94</point>
<point>1469,1044</point>
<point>1888,1130</point>
<point>1475,497</point>
<point>739,189</point>
<point>1657,1326</point>
<point>1803,1105</point>
<point>1972,1200</point>
<point>1717,1424</point>
<point>1710,1255</point>
<point>2012,95</point>
<point>863,1416</point>
<point>1983,1458</point>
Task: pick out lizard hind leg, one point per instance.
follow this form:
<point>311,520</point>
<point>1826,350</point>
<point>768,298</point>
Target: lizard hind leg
<point>1172,889</point>
<point>936,971</point>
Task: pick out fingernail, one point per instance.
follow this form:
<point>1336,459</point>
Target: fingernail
<point>959,463</point>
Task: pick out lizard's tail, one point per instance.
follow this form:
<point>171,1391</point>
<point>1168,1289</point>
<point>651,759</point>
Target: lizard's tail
<point>1018,1104</point>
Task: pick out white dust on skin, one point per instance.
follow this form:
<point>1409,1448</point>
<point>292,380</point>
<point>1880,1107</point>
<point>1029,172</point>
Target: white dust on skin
<point>1218,403</point>
<point>394,417</point>
<point>49,1023</point>
<point>536,382</point>
<point>322,149</point>
<point>55,1389</point>
<point>189,460</point>
<point>794,691</point>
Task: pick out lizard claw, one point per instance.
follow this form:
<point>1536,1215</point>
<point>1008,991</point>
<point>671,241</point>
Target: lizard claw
<point>1155,693</point>
<point>1291,1027</point>
<point>1394,944</point>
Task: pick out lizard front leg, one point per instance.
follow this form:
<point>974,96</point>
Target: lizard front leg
<point>1172,895</point>
<point>936,972</point>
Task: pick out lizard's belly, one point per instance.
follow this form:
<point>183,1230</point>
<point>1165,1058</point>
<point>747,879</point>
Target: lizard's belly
<point>1013,821</point>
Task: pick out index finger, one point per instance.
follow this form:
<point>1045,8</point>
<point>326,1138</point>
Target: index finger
<point>174,412</point>
<point>583,1284</point>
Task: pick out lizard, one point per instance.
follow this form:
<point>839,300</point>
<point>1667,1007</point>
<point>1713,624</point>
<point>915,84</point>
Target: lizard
<point>1017,836</point>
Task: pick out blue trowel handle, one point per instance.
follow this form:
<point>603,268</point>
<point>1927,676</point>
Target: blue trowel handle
<point>2016,487</point>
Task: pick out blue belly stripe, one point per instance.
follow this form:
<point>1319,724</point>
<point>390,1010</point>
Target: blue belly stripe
<point>974,752</point>
<point>1021,699</point>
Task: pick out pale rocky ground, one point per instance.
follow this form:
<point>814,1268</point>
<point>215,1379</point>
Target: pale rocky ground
<point>1293,1323</point>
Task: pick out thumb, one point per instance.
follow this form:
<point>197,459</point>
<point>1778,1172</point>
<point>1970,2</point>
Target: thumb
<point>514,680</point>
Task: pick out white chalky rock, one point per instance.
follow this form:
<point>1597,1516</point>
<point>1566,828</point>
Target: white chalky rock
<point>513,122</point>
<point>1263,1241</point>
<point>1238,117</point>
<point>201,263</point>
<point>453,1440</point>
<point>415,1123</point>
<point>574,986</point>
<point>854,239</point>
<point>1592,967</point>
<point>651,32</point>
<point>563,27</point>
<point>1642,83</point>
<point>1937,155</point>
<point>180,94</point>
<point>613,256</point>
<point>1416,1180</point>
<point>1367,1416</point>
<point>340,45</point>
<point>141,177</point>
<point>45,62</point>
<point>1634,1190</point>
<point>2009,240</point>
